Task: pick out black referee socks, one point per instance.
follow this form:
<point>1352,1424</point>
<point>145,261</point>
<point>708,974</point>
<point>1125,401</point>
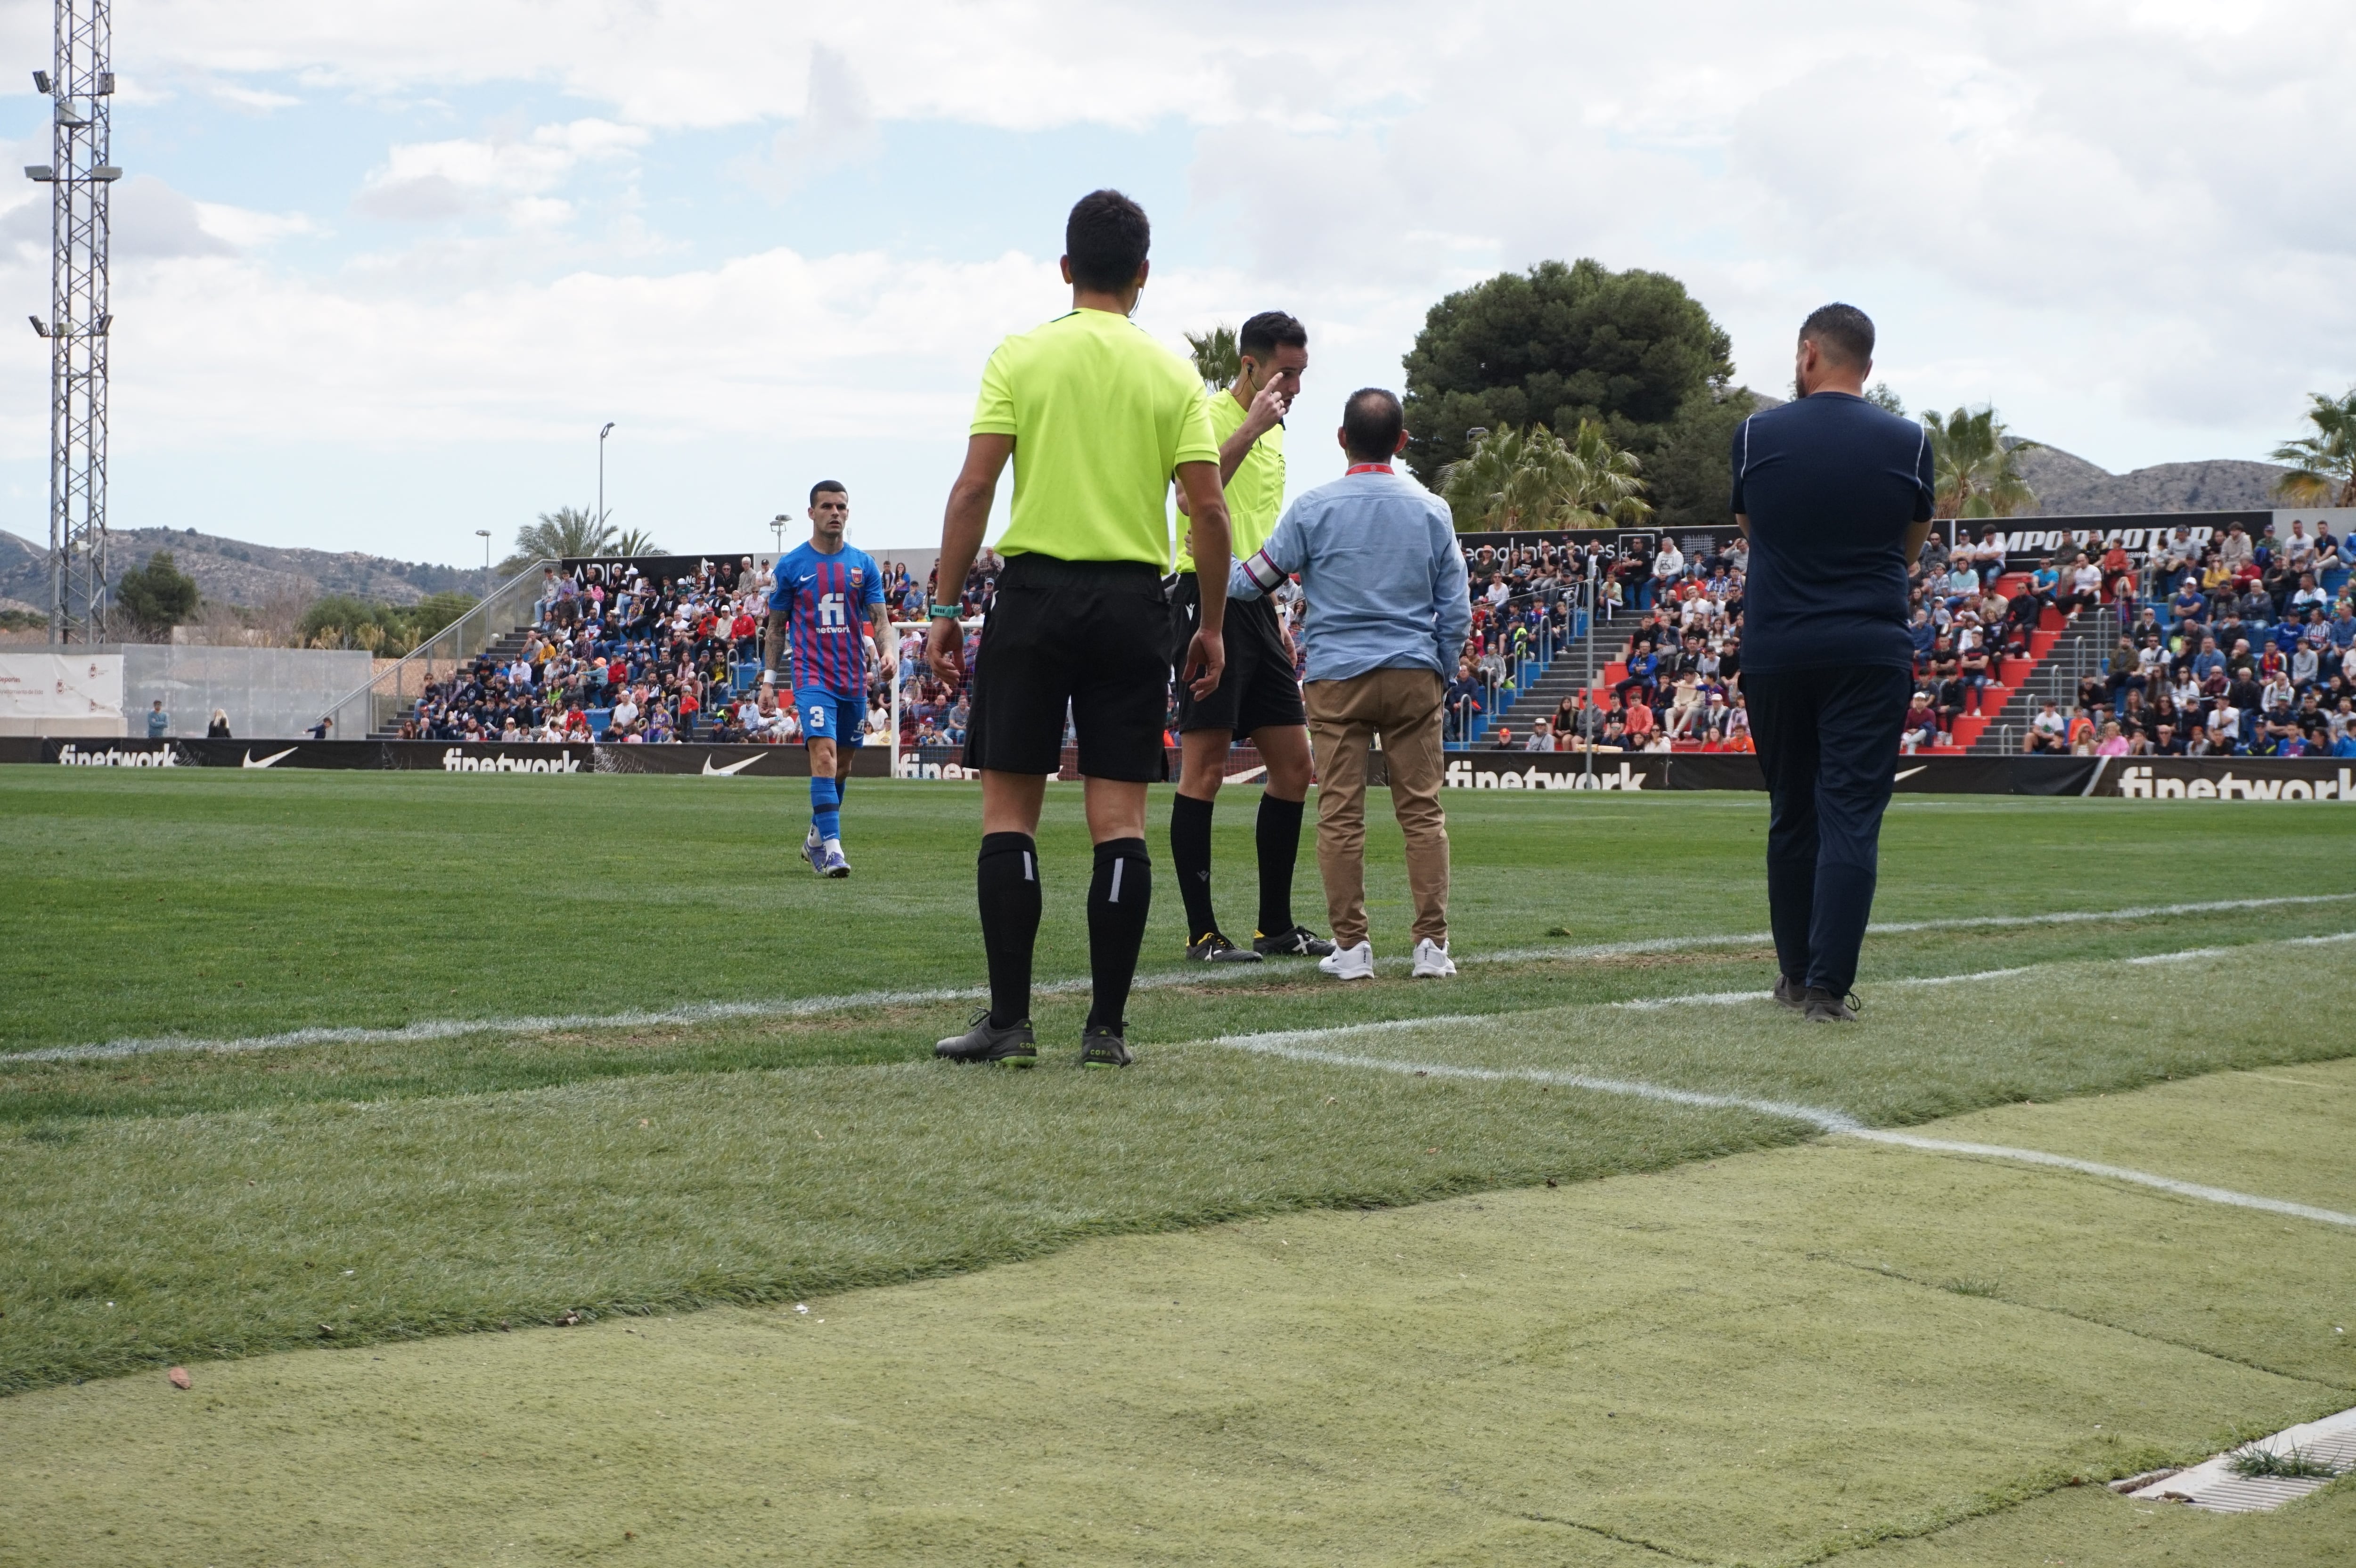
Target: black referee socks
<point>1190,856</point>
<point>1007,878</point>
<point>1278,837</point>
<point>1120,894</point>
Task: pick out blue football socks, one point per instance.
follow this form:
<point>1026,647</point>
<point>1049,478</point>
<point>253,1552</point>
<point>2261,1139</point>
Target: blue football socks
<point>826,808</point>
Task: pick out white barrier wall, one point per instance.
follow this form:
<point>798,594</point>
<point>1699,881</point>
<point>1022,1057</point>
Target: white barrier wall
<point>267,692</point>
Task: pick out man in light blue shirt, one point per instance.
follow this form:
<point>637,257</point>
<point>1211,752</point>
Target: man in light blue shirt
<point>1388,611</point>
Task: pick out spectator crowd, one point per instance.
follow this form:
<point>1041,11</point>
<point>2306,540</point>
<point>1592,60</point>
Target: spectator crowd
<point>2238,646</point>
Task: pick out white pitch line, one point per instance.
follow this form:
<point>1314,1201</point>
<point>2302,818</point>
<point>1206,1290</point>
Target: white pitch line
<point>430,1029</point>
<point>1727,999</point>
<point>2117,1173</point>
<point>1293,1045</point>
<point>1900,927</point>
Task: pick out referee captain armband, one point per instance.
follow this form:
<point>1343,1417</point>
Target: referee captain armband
<point>1263,571</point>
<point>944,612</point>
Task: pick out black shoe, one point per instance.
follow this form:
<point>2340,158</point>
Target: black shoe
<point>1101,1046</point>
<point>1012,1046</point>
<point>1790,993</point>
<point>1217,949</point>
<point>1821,1006</point>
<point>1299,943</point>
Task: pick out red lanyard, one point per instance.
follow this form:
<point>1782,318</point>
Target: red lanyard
<point>1368,468</point>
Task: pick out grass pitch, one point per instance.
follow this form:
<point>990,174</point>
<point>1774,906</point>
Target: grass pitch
<point>202,1205</point>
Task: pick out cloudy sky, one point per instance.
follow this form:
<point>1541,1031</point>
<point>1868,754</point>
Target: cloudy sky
<point>381,270</point>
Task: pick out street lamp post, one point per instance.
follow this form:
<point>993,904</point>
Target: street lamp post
<point>601,471</point>
<point>485,535</point>
<point>777,527</point>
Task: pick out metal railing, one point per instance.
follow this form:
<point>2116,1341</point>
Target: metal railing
<point>378,704</point>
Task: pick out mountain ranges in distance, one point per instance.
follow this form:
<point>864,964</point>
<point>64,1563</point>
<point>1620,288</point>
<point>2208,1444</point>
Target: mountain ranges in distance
<point>230,571</point>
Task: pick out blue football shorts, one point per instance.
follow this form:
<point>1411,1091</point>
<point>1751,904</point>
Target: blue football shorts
<point>830,716</point>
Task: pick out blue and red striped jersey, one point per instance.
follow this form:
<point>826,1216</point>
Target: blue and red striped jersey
<point>827,596</point>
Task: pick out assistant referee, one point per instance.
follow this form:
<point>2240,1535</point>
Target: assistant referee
<point>1836,496</point>
<point>1097,418</point>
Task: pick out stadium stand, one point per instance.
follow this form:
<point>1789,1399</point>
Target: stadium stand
<point>2244,647</point>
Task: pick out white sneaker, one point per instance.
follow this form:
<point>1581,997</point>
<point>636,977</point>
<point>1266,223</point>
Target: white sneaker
<point>1431,961</point>
<point>1350,963</point>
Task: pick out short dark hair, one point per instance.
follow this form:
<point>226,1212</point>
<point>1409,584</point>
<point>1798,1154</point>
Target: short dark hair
<point>1105,239</point>
<point>1264,333</point>
<point>823,485</point>
<point>1842,333</point>
<point>1371,422</point>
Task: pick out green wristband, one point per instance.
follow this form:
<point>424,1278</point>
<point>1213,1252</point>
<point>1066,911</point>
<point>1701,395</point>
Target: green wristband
<point>944,612</point>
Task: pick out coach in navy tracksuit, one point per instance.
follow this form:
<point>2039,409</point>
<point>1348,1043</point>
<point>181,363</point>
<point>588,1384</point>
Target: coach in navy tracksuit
<point>1835,496</point>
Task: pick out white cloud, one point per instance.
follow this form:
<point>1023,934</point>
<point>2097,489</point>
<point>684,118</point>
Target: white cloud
<point>426,181</point>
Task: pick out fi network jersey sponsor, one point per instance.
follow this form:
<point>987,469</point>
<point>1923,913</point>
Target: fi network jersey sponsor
<point>827,596</point>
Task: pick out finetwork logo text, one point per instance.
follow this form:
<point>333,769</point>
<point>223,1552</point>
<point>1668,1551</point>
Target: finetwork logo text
<point>455,761</point>
<point>73,756</point>
<point>2141,783</point>
<point>1465,776</point>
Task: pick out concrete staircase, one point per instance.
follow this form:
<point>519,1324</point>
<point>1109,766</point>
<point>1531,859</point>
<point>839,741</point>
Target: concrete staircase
<point>504,652</point>
<point>2062,652</point>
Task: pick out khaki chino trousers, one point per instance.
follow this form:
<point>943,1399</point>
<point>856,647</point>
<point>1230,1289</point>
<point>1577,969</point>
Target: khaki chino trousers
<point>1404,708</point>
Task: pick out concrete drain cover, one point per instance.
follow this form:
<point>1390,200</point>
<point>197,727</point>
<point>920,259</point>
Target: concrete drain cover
<point>2235,1481</point>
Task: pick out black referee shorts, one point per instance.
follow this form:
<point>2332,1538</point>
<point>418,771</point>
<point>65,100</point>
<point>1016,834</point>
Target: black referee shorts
<point>1258,690</point>
<point>1089,634</point>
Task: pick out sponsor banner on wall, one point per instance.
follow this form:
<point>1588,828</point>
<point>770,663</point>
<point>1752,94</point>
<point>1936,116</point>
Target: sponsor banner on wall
<point>612,569</point>
<point>109,754</point>
<point>38,690</point>
<point>2126,778</point>
<point>2028,540</point>
<point>2230,778</point>
<point>734,762</point>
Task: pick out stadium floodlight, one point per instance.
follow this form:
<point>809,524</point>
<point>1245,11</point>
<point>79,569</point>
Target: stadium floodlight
<point>39,172</point>
<point>601,471</point>
<point>80,177</point>
<point>38,326</point>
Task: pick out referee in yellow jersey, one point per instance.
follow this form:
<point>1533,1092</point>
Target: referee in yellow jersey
<point>1097,418</point>
<point>1260,696</point>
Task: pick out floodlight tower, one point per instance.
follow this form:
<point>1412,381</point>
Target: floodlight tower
<point>81,79</point>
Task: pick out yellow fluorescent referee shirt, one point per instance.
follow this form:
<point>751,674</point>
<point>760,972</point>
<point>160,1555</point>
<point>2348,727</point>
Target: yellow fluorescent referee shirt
<point>1256,493</point>
<point>1100,414</point>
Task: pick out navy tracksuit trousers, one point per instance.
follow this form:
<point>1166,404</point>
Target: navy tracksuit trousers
<point>1827,740</point>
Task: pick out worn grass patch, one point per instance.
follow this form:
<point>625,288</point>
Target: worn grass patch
<point>1744,1360</point>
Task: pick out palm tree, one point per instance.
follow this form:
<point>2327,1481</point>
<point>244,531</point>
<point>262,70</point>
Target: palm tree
<point>566,532</point>
<point>1972,465</point>
<point>1534,479</point>
<point>636,542</point>
<point>1217,359</point>
<point>2323,465</point>
<point>1613,483</point>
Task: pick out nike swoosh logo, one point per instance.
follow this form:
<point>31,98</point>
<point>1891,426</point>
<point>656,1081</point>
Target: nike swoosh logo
<point>268,761</point>
<point>711,773</point>
<point>1909,772</point>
